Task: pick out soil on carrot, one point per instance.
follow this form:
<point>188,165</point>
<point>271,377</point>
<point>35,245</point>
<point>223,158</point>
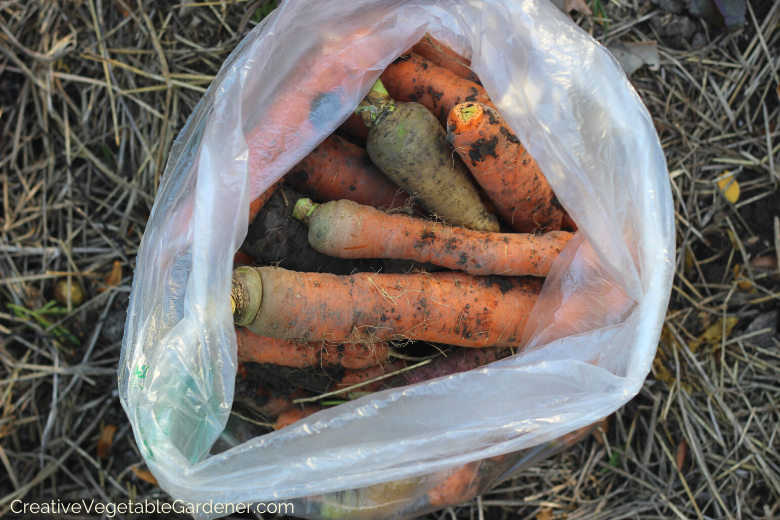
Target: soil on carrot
<point>285,380</point>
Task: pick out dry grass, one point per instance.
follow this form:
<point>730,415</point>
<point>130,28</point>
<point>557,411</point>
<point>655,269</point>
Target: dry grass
<point>92,95</point>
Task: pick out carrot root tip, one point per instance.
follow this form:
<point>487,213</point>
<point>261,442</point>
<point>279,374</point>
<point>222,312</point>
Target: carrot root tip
<point>246,295</point>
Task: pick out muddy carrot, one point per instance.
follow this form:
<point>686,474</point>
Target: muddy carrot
<point>354,377</point>
<point>345,229</point>
<point>409,146</point>
<point>261,349</point>
<point>262,400</point>
<point>337,169</point>
<point>446,307</point>
<point>276,238</point>
<point>413,78</point>
<point>354,129</point>
<point>294,415</point>
<point>453,362</point>
<point>442,56</point>
<point>457,488</point>
<point>256,205</point>
<point>504,169</point>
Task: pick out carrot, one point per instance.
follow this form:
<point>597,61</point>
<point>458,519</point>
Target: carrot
<point>276,238</point>
<point>442,56</point>
<point>354,129</point>
<point>568,222</point>
<point>345,229</point>
<point>412,78</point>
<point>256,205</point>
<point>446,307</point>
<point>502,166</point>
<point>408,145</point>
<point>242,258</point>
<point>294,415</point>
<point>453,362</point>
<point>262,400</point>
<point>260,349</point>
<point>354,377</point>
<point>457,488</point>
<point>337,169</point>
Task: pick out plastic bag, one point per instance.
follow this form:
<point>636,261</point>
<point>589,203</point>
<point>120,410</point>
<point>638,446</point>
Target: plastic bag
<point>289,84</point>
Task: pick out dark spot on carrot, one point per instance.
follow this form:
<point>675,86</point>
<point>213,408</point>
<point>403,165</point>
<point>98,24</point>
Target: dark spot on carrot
<point>554,202</point>
<point>482,148</point>
<point>463,260</point>
<point>512,138</point>
<point>427,233</point>
<point>353,187</point>
<point>504,283</point>
<point>436,95</point>
<point>473,95</point>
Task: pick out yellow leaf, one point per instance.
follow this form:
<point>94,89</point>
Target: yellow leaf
<point>729,186</point>
<point>662,373</point>
<point>713,334</point>
<point>106,441</point>
<point>145,475</point>
<point>546,513</point>
<point>115,277</point>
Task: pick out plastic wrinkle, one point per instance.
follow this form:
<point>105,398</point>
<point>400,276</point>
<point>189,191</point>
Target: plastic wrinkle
<point>589,342</point>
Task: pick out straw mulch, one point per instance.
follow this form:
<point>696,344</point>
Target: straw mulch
<point>92,95</point>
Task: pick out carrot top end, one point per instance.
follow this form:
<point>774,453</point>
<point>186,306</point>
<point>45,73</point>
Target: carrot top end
<point>246,295</point>
<point>303,210</point>
<point>469,111</point>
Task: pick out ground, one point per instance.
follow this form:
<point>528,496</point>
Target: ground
<point>92,95</point>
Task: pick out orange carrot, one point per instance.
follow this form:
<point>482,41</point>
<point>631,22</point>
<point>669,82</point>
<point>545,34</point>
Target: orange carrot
<point>354,377</point>
<point>445,307</point>
<point>442,56</point>
<point>568,222</point>
<point>413,78</point>
<point>452,362</point>
<point>345,229</point>
<point>502,166</point>
<point>296,115</point>
<point>294,415</point>
<point>261,349</point>
<point>256,205</point>
<point>457,488</point>
<point>262,400</point>
<point>242,258</point>
<point>337,169</point>
<point>354,129</point>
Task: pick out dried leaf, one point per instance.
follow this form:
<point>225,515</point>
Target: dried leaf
<point>145,475</point>
<point>106,441</point>
<point>682,451</point>
<point>713,334</point>
<point>729,186</point>
<point>115,277</point>
<point>546,513</point>
<point>633,55</point>
<point>577,5</point>
<point>661,373</point>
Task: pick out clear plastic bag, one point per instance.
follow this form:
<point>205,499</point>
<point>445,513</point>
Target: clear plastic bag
<point>289,84</point>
